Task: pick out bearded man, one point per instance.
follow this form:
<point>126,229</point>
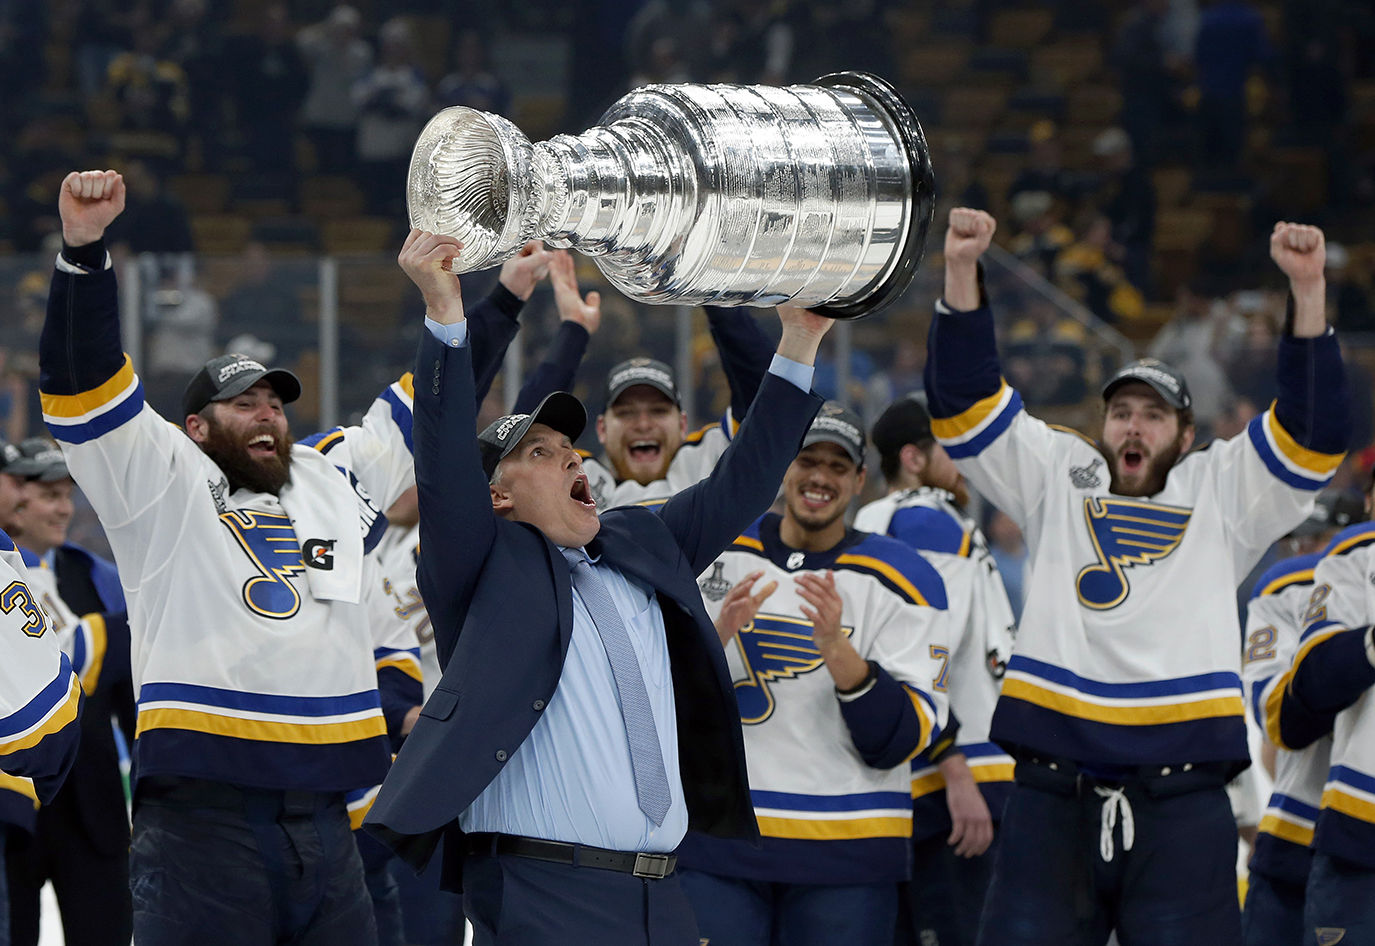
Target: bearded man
<point>1122,704</point>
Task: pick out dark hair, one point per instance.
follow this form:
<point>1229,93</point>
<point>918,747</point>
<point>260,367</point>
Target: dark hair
<point>890,464</point>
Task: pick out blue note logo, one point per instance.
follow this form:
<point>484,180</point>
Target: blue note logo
<point>270,543</point>
<point>773,647</point>
<point>1125,533</point>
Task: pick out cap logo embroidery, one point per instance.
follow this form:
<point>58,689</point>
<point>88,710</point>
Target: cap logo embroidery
<point>835,425</point>
<point>507,424</point>
<point>238,367</point>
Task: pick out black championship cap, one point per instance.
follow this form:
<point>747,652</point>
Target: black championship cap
<point>904,421</point>
<point>627,374</point>
<point>1333,509</point>
<point>840,426</point>
<point>39,459</point>
<point>1164,380</point>
<point>223,377</point>
<point>560,410</point>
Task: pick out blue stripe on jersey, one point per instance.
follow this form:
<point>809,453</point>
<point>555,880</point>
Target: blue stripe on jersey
<point>1350,776</point>
<point>325,440</point>
<point>860,801</point>
<point>1286,574</point>
<point>975,445</point>
<point>401,416</point>
<point>1255,430</point>
<point>6,543</point>
<point>929,529</point>
<point>1351,538</point>
<point>1293,806</point>
<point>259,702</point>
<point>1175,687</point>
<point>53,694</point>
<point>118,415</point>
<point>1315,628</point>
<point>1258,699</point>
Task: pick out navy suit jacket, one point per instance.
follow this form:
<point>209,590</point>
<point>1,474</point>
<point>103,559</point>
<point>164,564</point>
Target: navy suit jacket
<point>500,600</point>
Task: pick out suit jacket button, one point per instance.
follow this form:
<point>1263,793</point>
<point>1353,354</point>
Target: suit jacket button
<point>501,755</point>
<point>434,388</point>
<point>537,705</point>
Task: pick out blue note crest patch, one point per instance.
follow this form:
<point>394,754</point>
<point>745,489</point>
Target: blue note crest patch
<point>1126,533</point>
<point>773,647</point>
<point>270,543</point>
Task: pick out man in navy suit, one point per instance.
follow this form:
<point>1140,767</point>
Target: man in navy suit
<point>586,718</point>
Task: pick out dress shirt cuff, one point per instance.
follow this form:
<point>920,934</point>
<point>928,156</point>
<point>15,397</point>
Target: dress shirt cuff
<point>794,371</point>
<point>452,335</point>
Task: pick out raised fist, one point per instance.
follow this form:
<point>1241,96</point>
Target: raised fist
<point>1299,250</point>
<point>87,203</point>
<point>968,235</point>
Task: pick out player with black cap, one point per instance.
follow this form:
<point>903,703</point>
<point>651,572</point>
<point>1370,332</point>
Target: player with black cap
<point>1123,702</point>
<point>959,788</point>
<point>244,556</point>
<point>840,672</point>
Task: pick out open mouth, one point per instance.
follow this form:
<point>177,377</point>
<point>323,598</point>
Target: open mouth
<point>581,493</point>
<point>263,445</point>
<point>645,451</point>
<point>1133,461</point>
<point>817,498</point>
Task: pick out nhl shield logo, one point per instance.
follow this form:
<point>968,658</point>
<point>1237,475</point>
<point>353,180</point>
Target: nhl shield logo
<point>714,586</point>
<point>795,560</point>
<point>1329,935</point>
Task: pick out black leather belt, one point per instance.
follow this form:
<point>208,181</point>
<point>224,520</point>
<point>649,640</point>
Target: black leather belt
<point>650,866</point>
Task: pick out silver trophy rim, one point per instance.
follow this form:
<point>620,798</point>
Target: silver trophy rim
<point>904,119</point>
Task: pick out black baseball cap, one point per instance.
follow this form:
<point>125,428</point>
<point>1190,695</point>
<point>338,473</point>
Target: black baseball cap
<point>39,459</point>
<point>222,378</point>
<point>1164,380</point>
<point>560,410</point>
<point>841,426</point>
<point>627,374</point>
<point>1333,509</point>
<point>904,421</point>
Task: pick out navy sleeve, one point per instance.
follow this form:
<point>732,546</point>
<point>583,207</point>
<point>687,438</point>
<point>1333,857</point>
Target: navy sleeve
<point>1312,403</point>
<point>80,348</point>
<point>962,366</point>
<point>884,724</point>
<point>491,327</point>
<point>558,369</point>
<point>1327,678</point>
<point>400,692</point>
<point>746,353</point>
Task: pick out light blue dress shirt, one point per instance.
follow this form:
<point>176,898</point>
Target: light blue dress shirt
<point>571,780</point>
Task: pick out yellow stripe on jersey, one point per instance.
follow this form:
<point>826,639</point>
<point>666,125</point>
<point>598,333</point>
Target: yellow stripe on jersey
<point>77,405</point>
<point>1135,715</point>
<point>1311,460</point>
<point>748,542</point>
<point>1276,826</point>
<point>358,810</point>
<point>1275,699</point>
<point>848,829</point>
<point>324,443</point>
<point>1284,581</point>
<point>992,772</point>
<point>99,639</point>
<point>1361,537</point>
<point>61,715</point>
<point>924,722</point>
<point>406,663</point>
<point>407,383</point>
<point>697,435</point>
<point>20,786</point>
<point>1338,800</point>
<point>261,730</point>
<point>886,570</point>
<point>932,781</point>
<point>950,428</point>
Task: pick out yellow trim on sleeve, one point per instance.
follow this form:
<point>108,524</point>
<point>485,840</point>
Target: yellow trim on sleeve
<point>99,641</point>
<point>76,405</point>
<point>56,721</point>
<point>406,664</point>
<point>407,383</point>
<point>1311,460</point>
<point>950,428</point>
<point>20,786</point>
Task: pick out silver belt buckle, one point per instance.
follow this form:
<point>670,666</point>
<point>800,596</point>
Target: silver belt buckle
<point>651,866</point>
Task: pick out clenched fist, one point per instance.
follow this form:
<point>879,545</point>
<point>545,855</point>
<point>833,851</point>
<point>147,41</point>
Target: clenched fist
<point>1299,251</point>
<point>88,202</point>
<point>968,235</point>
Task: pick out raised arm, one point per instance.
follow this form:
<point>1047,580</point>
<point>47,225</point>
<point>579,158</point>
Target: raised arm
<point>745,354</point>
<point>579,318</point>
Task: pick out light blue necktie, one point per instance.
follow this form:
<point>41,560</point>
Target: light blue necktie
<point>646,757</point>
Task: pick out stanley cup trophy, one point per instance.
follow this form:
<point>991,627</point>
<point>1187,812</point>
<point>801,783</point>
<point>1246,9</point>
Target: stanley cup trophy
<point>819,195</point>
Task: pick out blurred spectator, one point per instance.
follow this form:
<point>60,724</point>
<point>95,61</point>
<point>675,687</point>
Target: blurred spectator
<point>394,103</point>
<point>265,303</point>
<point>1251,369</point>
<point>472,83</point>
<point>270,83</point>
<point>1199,323</point>
<point>673,20</point>
<point>180,320</point>
<point>152,94</point>
<point>1127,195</point>
<point>1045,168</point>
<point>1043,356</point>
<point>752,41</point>
<point>1041,234</point>
<point>16,390</point>
<point>1348,300</point>
<point>1231,43</point>
<point>1144,77</point>
<point>336,58</point>
<point>664,64</point>
<point>154,219</point>
<point>1090,270</point>
<point>1008,549</point>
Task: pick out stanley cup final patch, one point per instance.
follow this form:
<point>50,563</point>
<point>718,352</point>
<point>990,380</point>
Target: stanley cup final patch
<point>714,586</point>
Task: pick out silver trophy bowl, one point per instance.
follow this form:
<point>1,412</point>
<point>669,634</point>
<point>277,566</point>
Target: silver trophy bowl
<point>819,195</point>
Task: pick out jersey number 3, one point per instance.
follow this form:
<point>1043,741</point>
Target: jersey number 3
<point>17,597</point>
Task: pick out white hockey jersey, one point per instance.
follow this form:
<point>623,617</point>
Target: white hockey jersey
<point>982,631</point>
<point>250,643</point>
<point>1127,647</point>
<point>1274,623</point>
<point>825,811</point>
